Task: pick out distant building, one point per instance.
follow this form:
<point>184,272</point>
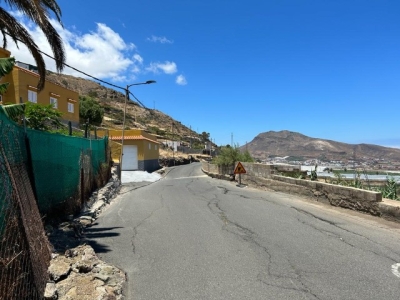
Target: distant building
<point>141,149</point>
<point>22,88</point>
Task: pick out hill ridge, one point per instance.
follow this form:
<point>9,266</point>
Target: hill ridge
<point>137,117</point>
<point>267,145</point>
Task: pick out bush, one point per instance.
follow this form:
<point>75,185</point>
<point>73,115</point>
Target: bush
<point>389,191</point>
<point>230,155</point>
<point>42,117</point>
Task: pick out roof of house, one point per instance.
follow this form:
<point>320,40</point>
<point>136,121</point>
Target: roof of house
<point>132,137</point>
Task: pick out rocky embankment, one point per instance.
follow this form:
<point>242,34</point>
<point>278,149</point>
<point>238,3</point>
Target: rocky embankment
<point>80,274</point>
<point>75,270</point>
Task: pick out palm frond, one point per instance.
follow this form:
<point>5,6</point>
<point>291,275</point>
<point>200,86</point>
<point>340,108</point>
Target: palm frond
<point>6,65</point>
<point>14,111</point>
<point>18,33</point>
<point>37,11</point>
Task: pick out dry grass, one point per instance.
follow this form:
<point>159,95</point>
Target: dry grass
<point>167,153</point>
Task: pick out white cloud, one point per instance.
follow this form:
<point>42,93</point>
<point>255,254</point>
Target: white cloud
<point>138,58</point>
<point>101,53</point>
<point>160,39</point>
<point>181,80</point>
<point>167,67</point>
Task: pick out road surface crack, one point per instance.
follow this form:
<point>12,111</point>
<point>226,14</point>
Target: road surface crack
<point>134,229</point>
<point>339,237</point>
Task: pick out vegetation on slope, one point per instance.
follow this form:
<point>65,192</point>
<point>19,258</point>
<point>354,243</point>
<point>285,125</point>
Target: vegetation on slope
<point>137,117</point>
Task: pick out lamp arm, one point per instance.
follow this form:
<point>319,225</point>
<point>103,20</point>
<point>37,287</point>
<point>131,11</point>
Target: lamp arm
<point>137,100</point>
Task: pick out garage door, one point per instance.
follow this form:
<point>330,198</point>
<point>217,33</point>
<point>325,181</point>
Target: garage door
<point>130,158</point>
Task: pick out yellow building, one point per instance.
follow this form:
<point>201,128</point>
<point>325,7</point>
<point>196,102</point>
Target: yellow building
<point>22,88</point>
<point>141,149</point>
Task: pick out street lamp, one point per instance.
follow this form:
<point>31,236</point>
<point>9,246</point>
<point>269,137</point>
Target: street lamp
<point>123,122</point>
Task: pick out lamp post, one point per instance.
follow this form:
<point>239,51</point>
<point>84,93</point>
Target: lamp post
<point>124,120</point>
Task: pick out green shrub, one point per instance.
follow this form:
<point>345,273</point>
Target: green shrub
<point>389,191</point>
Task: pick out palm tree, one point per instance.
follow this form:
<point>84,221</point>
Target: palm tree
<point>6,66</point>
<point>37,11</point>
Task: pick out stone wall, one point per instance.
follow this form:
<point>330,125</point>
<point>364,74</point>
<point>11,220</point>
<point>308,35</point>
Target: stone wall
<point>209,168</point>
<point>263,176</point>
<point>254,169</point>
<point>266,171</point>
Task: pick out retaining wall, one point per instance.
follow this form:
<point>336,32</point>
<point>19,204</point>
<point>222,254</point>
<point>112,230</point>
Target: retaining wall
<point>264,176</point>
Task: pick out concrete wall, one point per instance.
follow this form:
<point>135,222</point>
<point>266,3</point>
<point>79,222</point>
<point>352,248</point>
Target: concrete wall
<point>262,176</point>
<point>209,168</point>
<point>149,165</point>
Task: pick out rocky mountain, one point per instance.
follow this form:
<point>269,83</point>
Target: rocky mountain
<point>137,116</point>
<point>300,147</point>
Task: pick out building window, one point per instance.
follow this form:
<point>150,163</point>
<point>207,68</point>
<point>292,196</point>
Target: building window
<point>53,102</point>
<point>32,96</point>
<point>149,146</point>
<point>155,147</point>
<point>70,107</point>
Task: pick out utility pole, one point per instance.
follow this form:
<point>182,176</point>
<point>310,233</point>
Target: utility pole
<point>173,143</point>
<point>190,136</point>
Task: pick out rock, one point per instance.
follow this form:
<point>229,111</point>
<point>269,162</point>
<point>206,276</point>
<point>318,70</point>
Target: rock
<point>50,291</point>
<point>86,222</point>
<point>318,194</point>
<point>59,268</point>
<point>71,253</point>
<point>91,279</point>
<point>102,277</point>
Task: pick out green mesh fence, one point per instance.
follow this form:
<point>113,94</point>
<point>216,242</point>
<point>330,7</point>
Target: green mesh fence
<point>57,161</point>
<point>58,164</point>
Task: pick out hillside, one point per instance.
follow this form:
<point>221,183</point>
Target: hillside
<point>300,147</point>
<point>137,117</point>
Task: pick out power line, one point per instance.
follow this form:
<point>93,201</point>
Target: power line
<point>88,75</point>
<point>79,71</point>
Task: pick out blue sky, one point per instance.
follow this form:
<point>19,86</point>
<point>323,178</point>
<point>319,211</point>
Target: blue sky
<point>323,68</point>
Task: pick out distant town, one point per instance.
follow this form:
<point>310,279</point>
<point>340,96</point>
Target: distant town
<point>364,163</point>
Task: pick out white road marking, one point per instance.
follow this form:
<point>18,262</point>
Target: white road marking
<point>200,176</point>
<point>396,270</point>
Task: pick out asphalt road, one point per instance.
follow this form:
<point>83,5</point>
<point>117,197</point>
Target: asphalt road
<point>189,236</point>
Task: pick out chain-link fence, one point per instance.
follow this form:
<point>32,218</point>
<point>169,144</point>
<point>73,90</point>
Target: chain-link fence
<point>24,248</point>
<point>40,173</point>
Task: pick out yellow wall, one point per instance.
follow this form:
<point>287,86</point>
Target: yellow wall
<point>115,151</point>
<point>145,152</point>
<point>4,53</point>
<point>21,80</point>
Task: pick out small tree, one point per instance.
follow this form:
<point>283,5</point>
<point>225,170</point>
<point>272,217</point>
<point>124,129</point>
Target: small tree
<point>90,109</point>
<point>230,155</point>
<point>246,157</point>
<point>205,136</point>
<point>42,117</point>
